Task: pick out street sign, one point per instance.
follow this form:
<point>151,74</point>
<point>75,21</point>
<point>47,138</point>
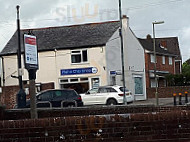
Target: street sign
<point>31,54</point>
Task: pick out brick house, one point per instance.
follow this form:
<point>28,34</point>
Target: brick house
<point>168,59</point>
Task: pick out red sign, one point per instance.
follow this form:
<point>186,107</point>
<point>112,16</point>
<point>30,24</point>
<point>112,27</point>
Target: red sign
<point>30,40</point>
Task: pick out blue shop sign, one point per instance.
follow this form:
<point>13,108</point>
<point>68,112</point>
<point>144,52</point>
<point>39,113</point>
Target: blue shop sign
<point>89,70</point>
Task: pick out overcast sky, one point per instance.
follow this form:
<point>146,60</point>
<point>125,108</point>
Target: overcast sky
<point>141,13</point>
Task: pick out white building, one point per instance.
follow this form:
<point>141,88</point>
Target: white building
<point>82,57</point>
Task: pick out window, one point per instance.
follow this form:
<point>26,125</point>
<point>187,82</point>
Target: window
<point>152,58</point>
<point>46,96</point>
<point>153,83</point>
<point>102,90</point>
<point>138,85</point>
<point>170,60</point>
<point>79,56</point>
<point>163,60</point>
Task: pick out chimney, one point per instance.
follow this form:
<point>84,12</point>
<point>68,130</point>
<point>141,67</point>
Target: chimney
<point>125,21</point>
<point>148,37</point>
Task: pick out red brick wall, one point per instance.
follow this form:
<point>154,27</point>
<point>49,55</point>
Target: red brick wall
<point>141,127</point>
<point>8,95</point>
<point>165,92</point>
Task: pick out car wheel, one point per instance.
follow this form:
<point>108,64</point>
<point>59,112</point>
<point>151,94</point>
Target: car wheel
<point>111,102</point>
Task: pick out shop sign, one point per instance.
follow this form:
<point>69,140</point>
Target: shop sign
<point>90,70</point>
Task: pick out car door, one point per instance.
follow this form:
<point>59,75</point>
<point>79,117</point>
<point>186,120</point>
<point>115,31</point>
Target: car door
<point>45,97</point>
<point>89,98</point>
<point>58,97</point>
<point>102,95</point>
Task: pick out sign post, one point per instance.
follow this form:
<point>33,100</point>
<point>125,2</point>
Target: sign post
<point>21,95</point>
<point>31,64</point>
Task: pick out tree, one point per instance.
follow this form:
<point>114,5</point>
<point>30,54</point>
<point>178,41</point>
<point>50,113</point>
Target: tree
<point>180,79</point>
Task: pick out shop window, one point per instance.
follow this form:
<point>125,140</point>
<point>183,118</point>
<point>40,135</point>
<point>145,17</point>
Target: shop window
<point>79,56</point>
<point>64,81</point>
<point>84,79</point>
<point>74,80</point>
<point>95,82</point>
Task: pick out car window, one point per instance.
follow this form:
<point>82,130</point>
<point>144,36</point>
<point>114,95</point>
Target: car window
<point>122,89</point>
<point>102,90</point>
<point>57,94</point>
<point>46,96</point>
<point>92,91</point>
<point>111,90</point>
<point>69,93</point>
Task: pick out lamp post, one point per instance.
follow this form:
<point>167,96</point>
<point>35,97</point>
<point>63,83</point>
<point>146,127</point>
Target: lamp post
<point>154,46</point>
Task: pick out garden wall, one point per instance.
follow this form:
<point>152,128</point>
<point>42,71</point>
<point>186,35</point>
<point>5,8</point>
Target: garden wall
<point>165,92</point>
<point>138,127</point>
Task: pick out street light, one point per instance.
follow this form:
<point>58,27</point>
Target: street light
<point>154,46</point>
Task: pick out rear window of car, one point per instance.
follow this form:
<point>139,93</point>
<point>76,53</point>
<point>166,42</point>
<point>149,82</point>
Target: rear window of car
<point>122,89</point>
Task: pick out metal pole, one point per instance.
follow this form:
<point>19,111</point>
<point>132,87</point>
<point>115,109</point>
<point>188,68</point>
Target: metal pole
<point>156,81</point>
<point>155,76</point>
<point>21,95</point>
<point>19,49</point>
<point>122,55</point>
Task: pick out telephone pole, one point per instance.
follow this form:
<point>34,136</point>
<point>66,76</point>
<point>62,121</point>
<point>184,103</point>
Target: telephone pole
<point>122,54</point>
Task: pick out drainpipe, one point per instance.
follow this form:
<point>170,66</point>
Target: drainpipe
<point>3,71</point>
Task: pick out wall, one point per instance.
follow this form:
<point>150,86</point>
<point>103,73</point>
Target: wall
<point>134,63</point>
<point>165,92</point>
<point>139,127</point>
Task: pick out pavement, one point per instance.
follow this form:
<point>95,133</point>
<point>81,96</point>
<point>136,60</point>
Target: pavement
<point>162,101</point>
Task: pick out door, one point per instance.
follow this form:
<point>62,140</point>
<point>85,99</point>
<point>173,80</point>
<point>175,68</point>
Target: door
<point>102,95</point>
<point>89,98</point>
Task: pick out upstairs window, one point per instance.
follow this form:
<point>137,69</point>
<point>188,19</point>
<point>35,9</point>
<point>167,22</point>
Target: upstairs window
<point>170,61</point>
<point>79,56</point>
<point>163,60</point>
<point>152,58</point>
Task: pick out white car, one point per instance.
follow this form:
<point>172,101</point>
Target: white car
<point>109,95</point>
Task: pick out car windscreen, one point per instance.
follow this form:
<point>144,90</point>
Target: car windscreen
<point>122,89</point>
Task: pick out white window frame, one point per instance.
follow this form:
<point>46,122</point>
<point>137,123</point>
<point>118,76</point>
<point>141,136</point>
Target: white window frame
<point>163,60</point>
<point>79,52</point>
<point>170,60</point>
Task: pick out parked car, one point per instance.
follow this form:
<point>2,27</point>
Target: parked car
<point>109,95</point>
<point>57,98</point>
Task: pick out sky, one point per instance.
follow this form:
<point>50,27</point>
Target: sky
<point>141,13</point>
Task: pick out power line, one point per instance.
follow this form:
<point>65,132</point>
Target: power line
<point>153,4</point>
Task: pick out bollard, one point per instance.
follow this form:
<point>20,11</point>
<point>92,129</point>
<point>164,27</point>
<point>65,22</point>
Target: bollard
<point>180,103</point>
<point>174,99</point>
<point>186,97</point>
